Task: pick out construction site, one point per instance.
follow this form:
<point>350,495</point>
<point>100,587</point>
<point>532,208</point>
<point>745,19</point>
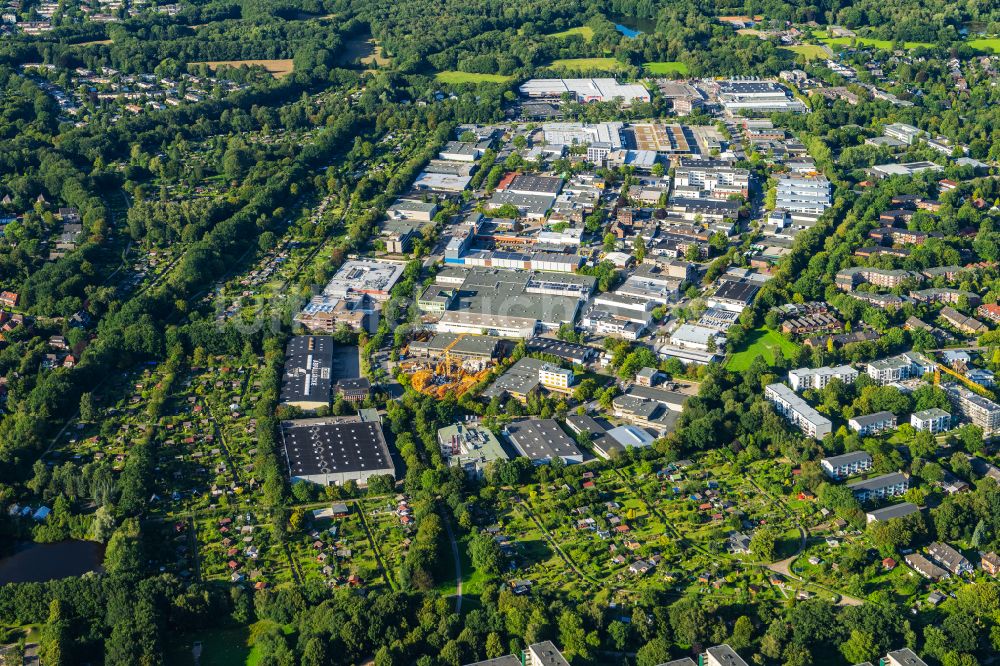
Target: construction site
<point>448,363</point>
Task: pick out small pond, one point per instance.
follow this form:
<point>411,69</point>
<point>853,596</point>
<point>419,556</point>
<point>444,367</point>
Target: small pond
<point>40,562</point>
<point>632,26</point>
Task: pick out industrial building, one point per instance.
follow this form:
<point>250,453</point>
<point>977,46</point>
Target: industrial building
<point>585,90</point>
<point>515,303</point>
<point>335,450</point>
<point>542,441</point>
<point>470,446</point>
<point>307,380</point>
<point>758,98</point>
<point>365,276</point>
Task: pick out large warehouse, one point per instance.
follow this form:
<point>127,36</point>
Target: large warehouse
<point>585,90</point>
<point>335,450</point>
<point>307,379</point>
<point>542,440</point>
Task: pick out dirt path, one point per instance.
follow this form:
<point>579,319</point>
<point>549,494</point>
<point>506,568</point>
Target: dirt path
<point>458,565</point>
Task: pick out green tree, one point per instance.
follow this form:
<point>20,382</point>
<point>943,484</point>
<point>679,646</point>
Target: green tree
<point>763,543</point>
<point>653,653</point>
<point>742,636</point>
<point>861,646</point>
<point>88,410</point>
<point>54,646</point>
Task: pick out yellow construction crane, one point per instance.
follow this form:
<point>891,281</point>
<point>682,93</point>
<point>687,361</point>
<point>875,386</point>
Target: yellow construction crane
<point>973,386</point>
<point>447,350</point>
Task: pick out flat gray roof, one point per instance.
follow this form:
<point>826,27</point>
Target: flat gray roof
<point>541,439</point>
<point>893,511</point>
<point>878,481</point>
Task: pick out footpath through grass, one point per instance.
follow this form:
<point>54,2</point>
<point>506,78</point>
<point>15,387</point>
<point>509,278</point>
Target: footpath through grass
<point>762,342</point>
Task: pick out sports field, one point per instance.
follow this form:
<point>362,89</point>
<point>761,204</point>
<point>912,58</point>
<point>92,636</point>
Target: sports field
<point>761,342</point>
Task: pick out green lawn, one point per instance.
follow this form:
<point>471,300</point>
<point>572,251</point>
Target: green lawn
<point>809,51</point>
<point>665,67</point>
<point>883,44</point>
<point>761,342</point>
<point>584,64</point>
<point>456,78</point>
<point>985,44</point>
<point>584,31</point>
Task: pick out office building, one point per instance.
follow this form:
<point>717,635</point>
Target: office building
<point>796,194</point>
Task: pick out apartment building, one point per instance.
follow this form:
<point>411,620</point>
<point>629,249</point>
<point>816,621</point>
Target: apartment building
<point>721,655</point>
<point>897,368</point>
<point>847,464</point>
<point>719,181</point>
<point>880,487</point>
<point>539,654</point>
<point>849,278</point>
<point>975,408</point>
<point>872,424</point>
<point>925,568</point>
<point>949,558</point>
<point>818,378</point>
<point>798,411</point>
<point>932,420</point>
<point>803,195</point>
